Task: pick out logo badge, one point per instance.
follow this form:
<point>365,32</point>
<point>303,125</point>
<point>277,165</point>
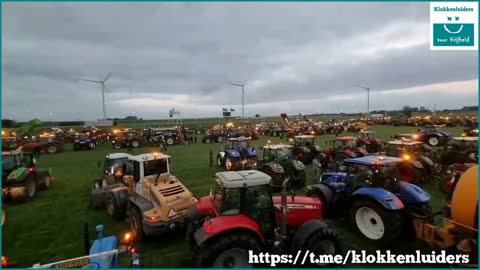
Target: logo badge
<point>453,26</point>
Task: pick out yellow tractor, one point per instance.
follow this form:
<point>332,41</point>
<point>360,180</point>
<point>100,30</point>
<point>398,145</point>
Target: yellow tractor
<point>460,224</point>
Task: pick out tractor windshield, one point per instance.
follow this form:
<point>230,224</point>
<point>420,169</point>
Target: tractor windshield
<point>83,137</point>
<point>226,200</point>
<point>155,167</point>
<point>241,145</point>
<point>370,136</point>
<point>8,163</point>
<point>284,154</point>
<point>376,176</point>
<point>305,141</point>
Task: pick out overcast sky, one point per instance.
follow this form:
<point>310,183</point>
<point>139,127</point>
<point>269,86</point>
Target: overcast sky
<point>293,57</point>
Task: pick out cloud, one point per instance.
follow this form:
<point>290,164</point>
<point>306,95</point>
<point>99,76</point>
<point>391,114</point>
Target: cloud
<point>295,57</point>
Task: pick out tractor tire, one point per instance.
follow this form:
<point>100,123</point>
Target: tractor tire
<point>300,179</point>
<point>277,179</point>
<point>219,139</point>
<point>51,148</point>
<point>323,241</point>
<point>170,141</point>
<point>227,251</point>
<point>135,143</point>
<point>373,222</point>
<point>207,140</point>
<point>92,146</point>
<point>111,206</point>
<point>46,182</point>
<point>326,199</point>
<point>134,217</point>
<point>433,141</point>
<point>30,187</point>
<point>117,145</point>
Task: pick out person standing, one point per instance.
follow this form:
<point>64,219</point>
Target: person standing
<point>210,156</point>
<point>317,167</point>
<point>129,147</point>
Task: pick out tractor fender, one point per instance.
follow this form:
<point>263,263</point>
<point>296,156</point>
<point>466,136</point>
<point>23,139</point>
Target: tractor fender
<point>221,155</point>
<point>227,224</point>
<point>304,232</point>
<point>384,197</point>
<point>121,197</point>
<point>413,194</point>
<point>325,190</point>
<point>276,167</point>
<point>298,165</point>
<point>42,172</point>
<point>140,202</point>
<point>251,152</point>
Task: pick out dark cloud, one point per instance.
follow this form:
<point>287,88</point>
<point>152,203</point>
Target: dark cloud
<point>292,57</point>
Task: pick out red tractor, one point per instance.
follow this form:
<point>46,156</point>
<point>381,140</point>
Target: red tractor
<point>43,143</point>
<point>368,141</point>
<point>340,149</point>
<point>241,216</point>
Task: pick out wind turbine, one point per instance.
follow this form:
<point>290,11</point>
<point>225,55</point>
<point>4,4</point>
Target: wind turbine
<point>243,95</point>
<point>368,97</point>
<point>102,83</point>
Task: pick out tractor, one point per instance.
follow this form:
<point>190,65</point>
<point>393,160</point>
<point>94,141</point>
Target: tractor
<point>459,229</point>
<point>460,150</point>
<point>471,132</point>
<point>214,135</point>
<point>83,141</point>
<point>340,149</point>
<point>304,148</point>
<point>279,163</point>
<point>369,193</point>
<point>367,140</point>
<point>237,155</point>
<point>418,166</point>
<point>20,176</point>
<point>432,135</point>
<point>153,201</point>
<point>103,253</point>
<point>121,139</point>
<point>357,126</point>
<point>241,216</point>
<point>43,143</point>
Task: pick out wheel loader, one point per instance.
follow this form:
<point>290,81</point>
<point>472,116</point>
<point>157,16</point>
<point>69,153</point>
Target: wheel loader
<point>153,201</point>
<point>459,231</point>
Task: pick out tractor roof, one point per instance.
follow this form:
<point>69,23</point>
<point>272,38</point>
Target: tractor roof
<point>149,156</point>
<point>304,137</point>
<point>466,138</point>
<point>345,138</point>
<point>11,153</point>
<point>366,131</point>
<point>277,146</point>
<point>374,160</point>
<point>118,156</point>
<point>232,179</point>
<point>436,126</point>
<point>405,142</point>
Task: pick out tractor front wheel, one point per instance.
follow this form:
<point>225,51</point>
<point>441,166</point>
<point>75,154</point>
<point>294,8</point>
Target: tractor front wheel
<point>117,145</point>
<point>134,218</point>
<point>170,141</point>
<point>376,223</point>
<point>46,182</point>
<point>111,206</point>
<point>52,149</point>
<point>323,241</point>
<point>220,139</point>
<point>135,143</point>
<point>228,251</point>
<point>219,161</point>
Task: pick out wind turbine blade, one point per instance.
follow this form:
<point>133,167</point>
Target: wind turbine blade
<point>90,81</point>
<point>236,84</point>
<point>106,78</point>
<point>366,88</point>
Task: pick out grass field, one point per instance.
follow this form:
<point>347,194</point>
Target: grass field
<point>50,228</point>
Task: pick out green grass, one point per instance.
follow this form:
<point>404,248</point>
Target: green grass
<point>50,228</point>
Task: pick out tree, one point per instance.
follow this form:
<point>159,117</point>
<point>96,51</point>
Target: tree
<point>257,115</point>
<point>407,111</point>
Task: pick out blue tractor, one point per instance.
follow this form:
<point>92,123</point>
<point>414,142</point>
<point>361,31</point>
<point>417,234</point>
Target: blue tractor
<point>103,253</point>
<point>370,193</point>
<point>237,155</point>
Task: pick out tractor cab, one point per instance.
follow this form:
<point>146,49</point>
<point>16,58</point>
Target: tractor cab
<point>304,148</point>
<point>116,166</point>
<point>278,153</point>
<point>367,140</point>
<point>342,143</point>
<point>240,143</point>
<point>15,159</point>
<point>415,153</point>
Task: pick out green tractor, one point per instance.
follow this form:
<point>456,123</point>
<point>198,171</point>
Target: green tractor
<point>20,176</point>
<point>278,161</point>
<point>304,148</point>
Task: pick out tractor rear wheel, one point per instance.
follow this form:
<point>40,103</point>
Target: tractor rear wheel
<point>30,187</point>
<point>46,182</point>
<point>111,206</point>
<point>135,143</point>
<point>227,251</point>
<point>433,141</point>
<point>220,139</point>
<point>51,149</point>
<point>134,218</point>
<point>170,141</point>
<point>376,223</point>
<point>117,145</point>
<point>207,140</point>
<point>323,241</point>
